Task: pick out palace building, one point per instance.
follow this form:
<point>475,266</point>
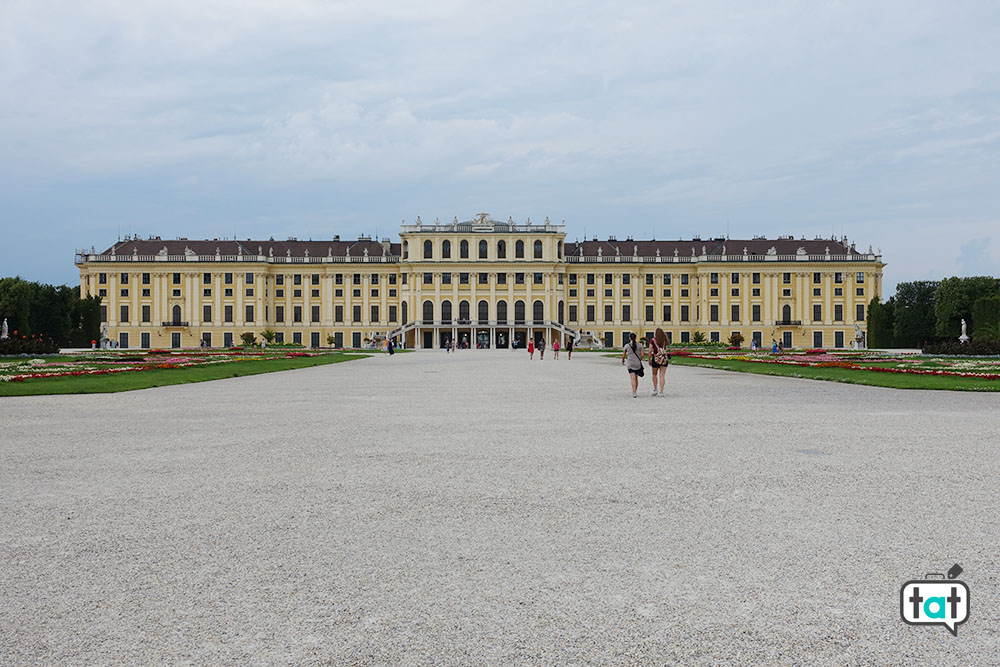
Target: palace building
<point>481,282</point>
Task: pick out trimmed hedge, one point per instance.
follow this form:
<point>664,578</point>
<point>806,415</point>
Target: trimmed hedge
<point>28,345</point>
<point>972,348</point>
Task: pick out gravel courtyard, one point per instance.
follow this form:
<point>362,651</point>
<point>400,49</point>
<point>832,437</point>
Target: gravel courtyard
<point>481,508</point>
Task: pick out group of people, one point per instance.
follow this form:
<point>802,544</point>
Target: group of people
<point>634,353</point>
<point>539,346</point>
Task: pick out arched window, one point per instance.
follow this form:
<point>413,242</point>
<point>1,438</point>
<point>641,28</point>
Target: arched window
<point>463,249</point>
<point>561,308</point>
<point>538,249</point>
<point>177,315</point>
<point>559,250</point>
<point>484,312</point>
<point>538,311</point>
<point>404,312</point>
<point>786,313</point>
<point>406,249</point>
<point>519,312</point>
<point>463,310</point>
<point>446,312</point>
<point>428,312</point>
<point>483,249</point>
<point>501,250</point>
<point>446,249</point>
<point>501,312</point>
<point>519,250</point>
<point>428,249</point>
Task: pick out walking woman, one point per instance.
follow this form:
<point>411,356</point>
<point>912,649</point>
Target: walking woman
<point>632,355</point>
<point>541,348</point>
<point>531,348</point>
<point>659,358</point>
<point>569,348</point>
<point>555,349</point>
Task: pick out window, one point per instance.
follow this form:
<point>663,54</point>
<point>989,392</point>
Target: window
<point>649,313</point>
<point>714,336</point>
<point>838,313</point>
<point>860,313</point>
<point>755,291</point>
<point>734,279</point>
<point>279,313</point>
<point>248,279</point>
<point>519,250</point>
<point>591,314</point>
<point>228,313</point>
<point>249,313</point>
<point>392,278</point>
<point>538,311</point>
<point>818,339</point>
<point>428,278</point>
<point>859,278</point>
<point>374,294</point>
<point>374,313</point>
<point>502,312</point>
<point>591,278</point>
<point>124,314</point>
<point>713,278</point>
<point>537,279</point>
<point>755,312</point>
<point>786,292</point>
<point>428,249</point>
<point>817,291</point>
<point>626,293</point>
<point>518,278</point>
<point>123,279</point>
<point>501,250</point>
<point>626,279</point>
<point>666,278</point>
<point>666,293</point>
<point>315,293</point>
<point>838,277</point>
<point>227,278</point>
<point>714,291</point>
<point>354,293</point>
<point>685,314</point>
<point>393,317</point>
<point>649,294</point>
<point>838,291</point>
<point>206,313</point>
<point>463,248</point>
<point>176,292</point>
<point>250,292</point>
<point>338,279</point>
<point>123,292</point>
<point>483,249</point>
<point>102,279</point>
<point>684,292</point>
<point>667,313</point>
<point>338,313</point>
<point>484,311</point>
<point>406,249</point>
<point>734,314</point>
<point>145,279</point>
<point>713,312</point>
<point>206,292</point>
<point>446,278</point>
<point>314,313</point>
<point>355,313</point>
<point>838,339</point>
<point>572,313</point>
<point>463,310</point>
<point>356,279</point>
<point>609,313</point>
<point>296,313</point>
<point>177,279</point>
<point>591,292</point>
<point>501,279</point>
<point>626,313</point>
<point>684,279</point>
<point>463,279</point>
<point>538,249</point>
<point>608,279</point>
<point>685,336</point>
<point>484,278</point>
<point>446,249</point>
<point>145,313</point>
<point>755,278</point>
<point>104,313</point>
<point>279,279</point>
<point>609,292</point>
<point>817,312</point>
<point>734,291</point>
<point>519,311</point>
<point>428,312</point>
<point>786,278</point>
<point>649,278</point>
<point>817,277</point>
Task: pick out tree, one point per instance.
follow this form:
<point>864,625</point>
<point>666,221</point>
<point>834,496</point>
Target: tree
<point>735,339</point>
<point>881,317</point>
<point>56,312</point>
<point>914,319</point>
<point>953,301</point>
<point>697,337</point>
<point>986,315</point>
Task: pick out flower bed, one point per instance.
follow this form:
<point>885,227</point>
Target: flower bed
<point>105,363</point>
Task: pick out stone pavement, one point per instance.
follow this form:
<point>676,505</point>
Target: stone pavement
<point>481,508</point>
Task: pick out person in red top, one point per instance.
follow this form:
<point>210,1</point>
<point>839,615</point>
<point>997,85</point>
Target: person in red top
<point>531,348</point>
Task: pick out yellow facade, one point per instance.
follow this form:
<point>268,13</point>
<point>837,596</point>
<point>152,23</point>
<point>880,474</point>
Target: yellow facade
<point>482,283</point>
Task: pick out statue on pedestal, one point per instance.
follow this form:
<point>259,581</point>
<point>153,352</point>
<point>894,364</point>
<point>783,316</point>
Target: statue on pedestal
<point>3,329</point>
<point>964,338</point>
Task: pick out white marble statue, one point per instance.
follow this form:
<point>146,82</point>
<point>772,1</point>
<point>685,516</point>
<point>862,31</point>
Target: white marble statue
<point>964,338</point>
<point>3,329</point>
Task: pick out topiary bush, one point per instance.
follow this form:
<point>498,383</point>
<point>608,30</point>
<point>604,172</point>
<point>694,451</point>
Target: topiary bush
<point>972,348</point>
<point>16,344</point>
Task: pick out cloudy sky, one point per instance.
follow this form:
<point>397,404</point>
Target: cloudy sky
<point>879,121</point>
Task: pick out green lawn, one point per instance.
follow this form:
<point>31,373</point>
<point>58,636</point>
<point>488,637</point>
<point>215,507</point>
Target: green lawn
<point>102,384</point>
<point>871,378</point>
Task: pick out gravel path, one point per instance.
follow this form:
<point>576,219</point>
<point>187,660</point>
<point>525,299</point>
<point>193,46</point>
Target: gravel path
<point>481,508</point>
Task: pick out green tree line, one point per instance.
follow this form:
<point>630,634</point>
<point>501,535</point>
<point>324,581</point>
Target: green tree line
<point>54,311</point>
<point>926,311</point>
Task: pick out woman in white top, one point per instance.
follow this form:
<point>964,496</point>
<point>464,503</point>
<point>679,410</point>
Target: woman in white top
<point>632,355</point>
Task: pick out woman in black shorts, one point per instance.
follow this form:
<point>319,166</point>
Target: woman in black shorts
<point>658,360</point>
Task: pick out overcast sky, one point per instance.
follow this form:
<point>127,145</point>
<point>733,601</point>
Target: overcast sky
<point>879,121</point>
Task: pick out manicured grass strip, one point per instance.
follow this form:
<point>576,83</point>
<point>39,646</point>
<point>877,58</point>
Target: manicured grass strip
<point>161,377</point>
<point>850,376</point>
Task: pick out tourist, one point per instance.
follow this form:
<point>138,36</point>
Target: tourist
<point>555,349</point>
<point>391,348</point>
<point>541,348</point>
<point>774,346</point>
<point>569,348</point>
<point>632,360</point>
<point>531,348</point>
<point>658,360</point>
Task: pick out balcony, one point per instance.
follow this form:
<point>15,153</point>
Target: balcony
<point>175,323</point>
<point>788,323</point>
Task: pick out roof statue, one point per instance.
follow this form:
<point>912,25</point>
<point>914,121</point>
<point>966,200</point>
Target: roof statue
<point>723,249</point>
<point>600,251</point>
<point>801,251</point>
<point>418,221</point>
<point>260,251</point>
<point>745,253</point>
<point>692,251</point>
<point>135,251</point>
<point>218,253</point>
<point>347,253</point>
<point>617,252</point>
<point>307,252</point>
<point>162,252</point>
<point>635,251</point>
<point>675,253</point>
<point>772,251</point>
<point>366,252</point>
<point>657,252</point>
<point>288,252</point>
<point>547,220</point>
<point>828,251</point>
<point>270,251</point>
<point>704,252</point>
<point>239,249</point>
